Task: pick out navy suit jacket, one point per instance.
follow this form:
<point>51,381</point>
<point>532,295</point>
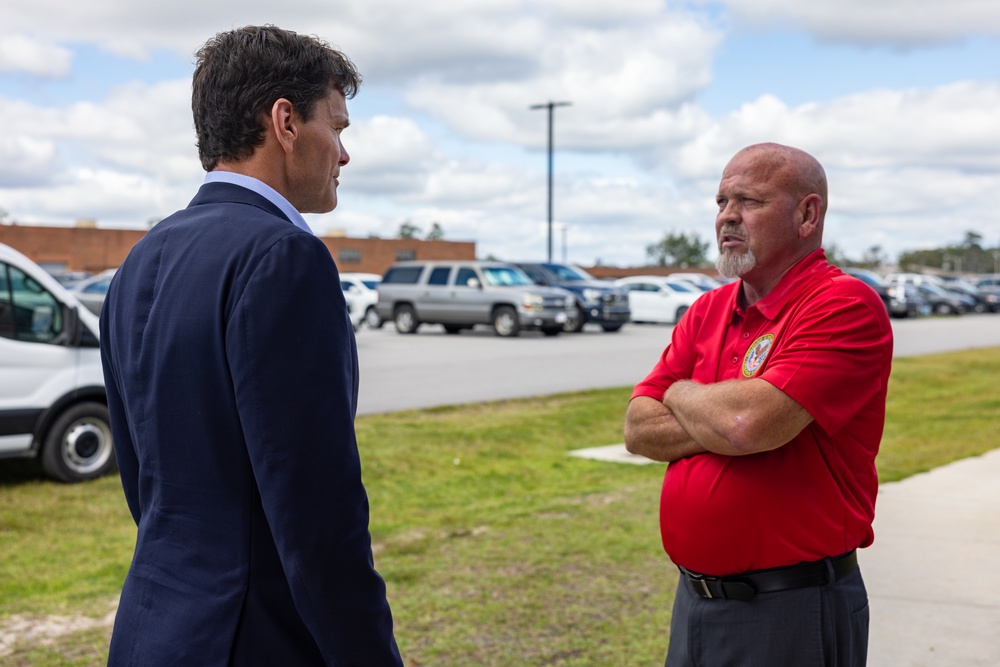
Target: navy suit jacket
<point>232,380</point>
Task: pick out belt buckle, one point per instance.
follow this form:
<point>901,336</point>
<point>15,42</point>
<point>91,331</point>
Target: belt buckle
<point>706,591</point>
<point>699,582</point>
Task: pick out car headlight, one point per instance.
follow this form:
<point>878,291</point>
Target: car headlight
<point>531,301</point>
<point>592,295</point>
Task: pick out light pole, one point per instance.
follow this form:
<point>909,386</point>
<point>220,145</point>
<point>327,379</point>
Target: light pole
<point>561,228</point>
<point>550,106</point>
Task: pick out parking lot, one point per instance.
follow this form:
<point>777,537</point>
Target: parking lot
<point>432,368</point>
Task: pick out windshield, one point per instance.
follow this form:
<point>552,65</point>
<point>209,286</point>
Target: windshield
<point>680,287</point>
<point>933,289</point>
<point>569,274</point>
<point>871,279</point>
<point>505,276</point>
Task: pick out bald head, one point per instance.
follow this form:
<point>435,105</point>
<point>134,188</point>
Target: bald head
<point>793,170</point>
<point>772,202</point>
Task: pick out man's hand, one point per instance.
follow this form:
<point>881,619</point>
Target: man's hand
<point>652,431</point>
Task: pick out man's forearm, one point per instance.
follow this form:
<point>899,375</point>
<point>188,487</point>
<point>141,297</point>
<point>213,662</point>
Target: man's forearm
<point>736,417</point>
<point>652,431</point>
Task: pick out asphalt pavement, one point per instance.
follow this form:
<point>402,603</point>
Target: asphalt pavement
<point>432,368</point>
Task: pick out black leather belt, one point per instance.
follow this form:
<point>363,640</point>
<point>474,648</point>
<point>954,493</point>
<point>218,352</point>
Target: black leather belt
<point>745,586</point>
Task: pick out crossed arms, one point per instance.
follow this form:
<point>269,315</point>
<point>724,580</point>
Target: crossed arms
<point>733,417</point>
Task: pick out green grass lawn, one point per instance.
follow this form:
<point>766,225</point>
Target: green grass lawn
<point>497,548</point>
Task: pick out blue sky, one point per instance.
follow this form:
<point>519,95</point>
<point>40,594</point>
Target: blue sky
<point>898,99</point>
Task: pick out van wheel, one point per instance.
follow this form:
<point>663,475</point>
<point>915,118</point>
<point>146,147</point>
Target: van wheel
<point>372,318</point>
<point>574,320</point>
<point>78,445</point>
<point>680,314</point>
<point>406,319</point>
<point>505,322</point>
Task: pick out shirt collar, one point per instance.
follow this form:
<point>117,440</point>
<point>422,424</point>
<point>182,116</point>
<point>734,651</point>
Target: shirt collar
<point>264,190</point>
<point>770,306</point>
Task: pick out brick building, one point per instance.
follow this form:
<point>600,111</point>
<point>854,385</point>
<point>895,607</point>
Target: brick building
<point>88,248</point>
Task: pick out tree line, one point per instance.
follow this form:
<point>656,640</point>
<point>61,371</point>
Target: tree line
<point>682,250</point>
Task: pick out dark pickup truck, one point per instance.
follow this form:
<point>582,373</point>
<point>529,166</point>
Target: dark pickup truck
<point>597,301</point>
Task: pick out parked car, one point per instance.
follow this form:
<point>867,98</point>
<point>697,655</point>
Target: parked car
<point>940,300</point>
<point>462,294</point>
<point>990,286</point>
<point>355,309</point>
<point>658,298</point>
<point>53,406</point>
<point>984,301</point>
<point>700,280</point>
<point>899,301</point>
<point>362,298</point>
<point>69,278</point>
<point>598,301</point>
<point>92,291</point>
<point>912,295</point>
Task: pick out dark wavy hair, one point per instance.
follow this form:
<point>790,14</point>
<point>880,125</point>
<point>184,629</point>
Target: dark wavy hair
<point>241,73</point>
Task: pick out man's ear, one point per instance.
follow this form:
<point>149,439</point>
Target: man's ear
<point>284,124</point>
<point>810,215</point>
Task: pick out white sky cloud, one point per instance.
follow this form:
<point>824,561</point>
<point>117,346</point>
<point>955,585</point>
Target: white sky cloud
<point>27,55</point>
<point>441,131</point>
<point>900,23</point>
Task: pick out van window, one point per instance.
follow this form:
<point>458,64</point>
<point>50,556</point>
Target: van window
<point>27,310</point>
<point>6,305</point>
<point>465,274</point>
<point>439,276</point>
<point>407,275</point>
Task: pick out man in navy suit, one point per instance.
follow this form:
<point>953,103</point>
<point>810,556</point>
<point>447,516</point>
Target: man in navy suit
<point>232,379</point>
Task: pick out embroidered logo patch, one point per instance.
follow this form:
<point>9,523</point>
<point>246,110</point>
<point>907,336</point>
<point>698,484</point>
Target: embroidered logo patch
<point>756,355</point>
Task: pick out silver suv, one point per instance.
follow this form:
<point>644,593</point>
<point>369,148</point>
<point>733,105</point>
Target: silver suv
<point>462,294</point>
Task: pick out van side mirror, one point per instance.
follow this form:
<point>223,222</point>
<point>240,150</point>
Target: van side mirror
<point>473,283</point>
<point>72,326</point>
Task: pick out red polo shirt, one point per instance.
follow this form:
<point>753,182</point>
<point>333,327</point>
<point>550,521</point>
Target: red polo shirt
<point>823,338</point>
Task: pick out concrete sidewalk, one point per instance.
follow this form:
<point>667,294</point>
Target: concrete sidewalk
<point>933,573</point>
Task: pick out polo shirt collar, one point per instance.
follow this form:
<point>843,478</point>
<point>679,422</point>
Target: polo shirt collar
<point>808,267</point>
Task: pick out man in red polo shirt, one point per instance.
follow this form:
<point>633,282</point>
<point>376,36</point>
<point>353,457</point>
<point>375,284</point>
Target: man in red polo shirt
<point>769,404</point>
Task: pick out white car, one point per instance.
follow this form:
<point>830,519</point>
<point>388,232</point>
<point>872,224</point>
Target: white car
<point>360,290</point>
<point>658,298</point>
<point>699,280</point>
<point>92,291</point>
<point>53,405</point>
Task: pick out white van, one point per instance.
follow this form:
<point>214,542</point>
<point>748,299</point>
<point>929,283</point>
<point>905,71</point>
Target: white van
<point>53,406</point>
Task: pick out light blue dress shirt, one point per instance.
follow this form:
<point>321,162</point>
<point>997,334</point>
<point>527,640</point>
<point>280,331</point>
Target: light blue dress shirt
<point>264,190</point>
